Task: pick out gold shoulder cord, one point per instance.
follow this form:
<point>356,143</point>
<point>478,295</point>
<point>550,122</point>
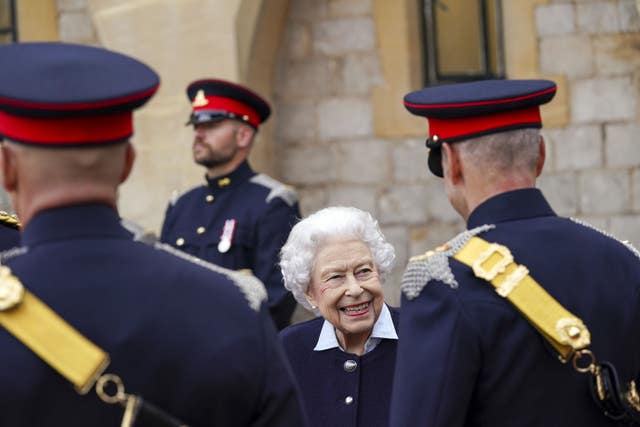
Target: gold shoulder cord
<point>60,345</point>
<point>564,331</point>
<point>495,264</point>
<point>10,220</point>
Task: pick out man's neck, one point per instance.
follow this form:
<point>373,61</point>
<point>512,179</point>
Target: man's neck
<point>226,169</point>
<point>29,206</point>
<point>481,192</point>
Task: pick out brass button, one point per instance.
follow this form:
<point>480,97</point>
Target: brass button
<point>348,400</point>
<point>200,230</point>
<point>180,241</point>
<point>350,365</point>
<point>209,198</point>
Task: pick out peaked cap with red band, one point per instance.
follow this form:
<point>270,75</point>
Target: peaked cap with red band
<point>214,100</point>
<point>60,94</point>
<point>467,110</point>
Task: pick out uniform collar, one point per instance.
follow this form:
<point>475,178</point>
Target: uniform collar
<point>510,206</point>
<point>382,329</point>
<point>224,182</point>
<point>95,220</point>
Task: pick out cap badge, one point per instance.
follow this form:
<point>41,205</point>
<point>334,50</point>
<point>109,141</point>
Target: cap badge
<point>200,100</point>
<point>226,238</point>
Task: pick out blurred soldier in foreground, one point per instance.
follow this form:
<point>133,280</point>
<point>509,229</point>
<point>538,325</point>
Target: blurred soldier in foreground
<point>181,334</point>
<point>237,219</point>
<point>487,316</point>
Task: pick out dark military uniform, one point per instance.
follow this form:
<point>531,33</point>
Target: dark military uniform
<point>258,213</point>
<point>241,220</point>
<point>468,358</point>
<point>339,388</point>
<point>187,336</point>
<point>182,336</point>
<point>9,231</point>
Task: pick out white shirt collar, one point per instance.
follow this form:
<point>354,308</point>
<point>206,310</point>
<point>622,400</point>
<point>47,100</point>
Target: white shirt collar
<point>382,329</point>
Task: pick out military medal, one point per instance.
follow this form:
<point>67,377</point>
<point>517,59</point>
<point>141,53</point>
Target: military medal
<point>227,235</point>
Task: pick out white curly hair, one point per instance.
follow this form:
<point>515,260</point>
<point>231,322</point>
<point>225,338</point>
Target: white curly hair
<point>298,254</point>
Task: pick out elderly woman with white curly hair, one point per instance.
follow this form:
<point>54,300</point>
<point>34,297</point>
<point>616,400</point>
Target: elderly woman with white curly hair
<point>334,263</point>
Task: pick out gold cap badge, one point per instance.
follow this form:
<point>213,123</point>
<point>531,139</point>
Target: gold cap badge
<point>200,100</point>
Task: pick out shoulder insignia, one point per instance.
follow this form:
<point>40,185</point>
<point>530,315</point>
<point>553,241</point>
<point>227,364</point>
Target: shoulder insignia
<point>278,189</point>
<point>175,196</point>
<point>140,234</point>
<point>12,253</point>
<point>9,220</point>
<point>434,264</point>
<point>250,286</point>
<point>609,235</point>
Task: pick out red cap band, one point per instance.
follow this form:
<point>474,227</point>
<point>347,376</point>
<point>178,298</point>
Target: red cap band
<point>467,127</point>
<point>67,130</point>
<point>231,106</point>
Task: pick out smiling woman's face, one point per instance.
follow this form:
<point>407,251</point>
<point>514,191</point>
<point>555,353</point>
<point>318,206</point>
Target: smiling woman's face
<point>345,286</point>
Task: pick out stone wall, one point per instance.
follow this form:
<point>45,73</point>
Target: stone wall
<point>594,169</point>
<point>325,137</point>
<point>328,148</point>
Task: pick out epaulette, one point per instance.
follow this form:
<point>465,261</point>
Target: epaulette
<point>278,189</point>
<point>251,287</point>
<point>140,234</point>
<point>609,235</point>
<point>9,220</point>
<point>434,264</point>
<point>8,254</point>
<point>175,196</point>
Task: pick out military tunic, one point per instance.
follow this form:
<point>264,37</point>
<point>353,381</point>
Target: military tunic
<point>9,233</point>
<point>339,388</point>
<point>239,221</point>
<point>468,358</point>
<point>184,337</point>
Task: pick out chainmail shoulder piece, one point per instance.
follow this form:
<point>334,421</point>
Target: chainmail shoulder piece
<point>12,253</point>
<point>434,265</point>
<point>250,286</point>
<point>609,235</point>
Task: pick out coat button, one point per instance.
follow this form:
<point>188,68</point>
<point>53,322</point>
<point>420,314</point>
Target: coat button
<point>348,400</point>
<point>179,241</point>
<point>200,230</point>
<point>209,198</point>
<point>350,365</point>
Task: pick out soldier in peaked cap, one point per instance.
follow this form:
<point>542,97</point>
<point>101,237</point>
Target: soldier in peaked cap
<point>237,219</point>
<point>471,353</point>
<point>187,336</point>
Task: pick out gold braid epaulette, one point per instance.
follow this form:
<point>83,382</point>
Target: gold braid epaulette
<point>9,220</point>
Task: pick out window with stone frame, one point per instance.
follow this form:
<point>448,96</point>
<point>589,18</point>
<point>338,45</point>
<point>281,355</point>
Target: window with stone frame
<point>463,40</point>
<point>8,26</point>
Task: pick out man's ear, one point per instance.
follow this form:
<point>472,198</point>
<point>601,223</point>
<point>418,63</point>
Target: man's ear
<point>451,164</point>
<point>129,160</point>
<point>541,156</point>
<point>9,171</point>
<point>244,135</point>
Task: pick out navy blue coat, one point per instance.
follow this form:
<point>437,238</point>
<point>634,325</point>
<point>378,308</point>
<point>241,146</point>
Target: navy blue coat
<point>468,358</point>
<point>325,383</point>
<point>9,236</point>
<point>264,210</point>
<point>179,334</point>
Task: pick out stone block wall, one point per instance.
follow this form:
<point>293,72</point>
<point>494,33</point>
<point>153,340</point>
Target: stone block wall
<point>327,146</point>
<point>325,139</point>
<point>594,164</point>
